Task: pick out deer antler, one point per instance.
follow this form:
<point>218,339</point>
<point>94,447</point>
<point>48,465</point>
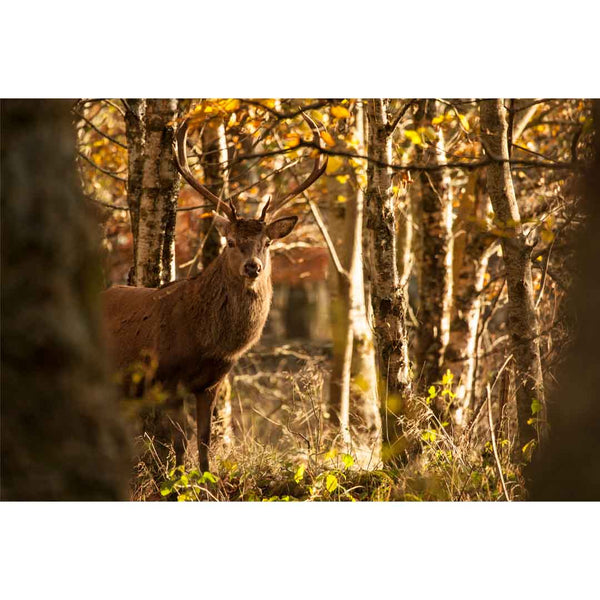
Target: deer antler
<point>265,210</point>
<point>184,169</point>
<point>317,171</point>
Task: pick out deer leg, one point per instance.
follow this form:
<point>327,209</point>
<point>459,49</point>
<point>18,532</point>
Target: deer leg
<point>205,403</point>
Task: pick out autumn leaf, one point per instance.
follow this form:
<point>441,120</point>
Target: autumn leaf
<point>327,138</point>
<point>335,162</point>
<point>299,476</point>
<point>413,136</point>
<point>340,112</point>
<point>331,483</point>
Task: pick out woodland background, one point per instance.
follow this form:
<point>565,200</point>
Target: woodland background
<point>320,50</point>
<point>420,313</point>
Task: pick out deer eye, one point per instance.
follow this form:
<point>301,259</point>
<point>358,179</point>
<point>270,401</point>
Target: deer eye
<point>231,243</point>
<point>267,243</point>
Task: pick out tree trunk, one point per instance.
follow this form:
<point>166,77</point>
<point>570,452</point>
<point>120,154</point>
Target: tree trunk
<point>353,389</point>
<point>435,260</point>
<point>216,182</point>
<point>154,203</point>
<point>472,244</point>
<point>566,468</point>
<point>136,139</point>
<point>62,435</point>
<point>387,297</point>
<point>214,162</point>
<point>522,321</point>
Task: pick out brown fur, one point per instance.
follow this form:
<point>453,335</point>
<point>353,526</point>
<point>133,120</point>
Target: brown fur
<point>198,328</point>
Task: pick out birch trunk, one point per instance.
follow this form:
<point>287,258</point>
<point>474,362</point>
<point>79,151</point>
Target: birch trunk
<point>388,298</point>
<point>154,259</point>
<point>353,387</point>
<point>522,320</point>
<point>472,246</point>
<point>214,162</point>
<point>136,139</point>
<point>216,182</point>
<point>435,260</point>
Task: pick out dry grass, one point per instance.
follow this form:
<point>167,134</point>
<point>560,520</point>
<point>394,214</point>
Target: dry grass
<point>283,449</point>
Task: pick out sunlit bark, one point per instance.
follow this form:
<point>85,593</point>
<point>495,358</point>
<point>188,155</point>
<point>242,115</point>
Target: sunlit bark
<point>381,272</point>
<point>435,260</point>
<point>522,319</point>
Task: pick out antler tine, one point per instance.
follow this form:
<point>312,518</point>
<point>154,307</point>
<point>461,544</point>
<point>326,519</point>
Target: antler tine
<point>265,210</point>
<point>234,216</point>
<point>317,171</point>
<point>184,169</point>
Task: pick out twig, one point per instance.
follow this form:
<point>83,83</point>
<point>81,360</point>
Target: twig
<point>102,133</point>
<point>102,170</point>
<point>493,436</point>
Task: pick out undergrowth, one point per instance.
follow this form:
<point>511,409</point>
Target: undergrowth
<point>442,465</point>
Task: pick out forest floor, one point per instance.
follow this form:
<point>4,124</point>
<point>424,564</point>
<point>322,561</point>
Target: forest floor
<point>277,449</point>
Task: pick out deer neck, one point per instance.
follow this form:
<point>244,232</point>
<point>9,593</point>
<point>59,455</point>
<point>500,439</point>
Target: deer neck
<point>234,311</point>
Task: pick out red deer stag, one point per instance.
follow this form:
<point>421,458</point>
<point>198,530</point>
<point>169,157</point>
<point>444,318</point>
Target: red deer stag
<point>198,328</point>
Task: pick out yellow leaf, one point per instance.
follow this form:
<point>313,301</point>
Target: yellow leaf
<point>299,475</point>
<point>231,105</point>
<point>447,378</point>
<point>413,136</point>
<point>331,483</point>
<point>327,138</point>
<point>437,120</point>
<point>342,178</point>
<point>335,162</point>
<point>342,199</point>
<point>340,112</point>
<point>292,139</point>
<point>331,454</point>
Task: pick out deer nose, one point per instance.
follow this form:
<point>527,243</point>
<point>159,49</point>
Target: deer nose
<point>252,268</point>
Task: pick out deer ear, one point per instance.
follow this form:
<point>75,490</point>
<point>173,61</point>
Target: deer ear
<point>281,227</point>
<point>221,223</point>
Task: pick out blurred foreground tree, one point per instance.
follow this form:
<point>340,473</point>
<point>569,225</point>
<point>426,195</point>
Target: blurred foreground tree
<point>62,436</point>
<point>568,465</point>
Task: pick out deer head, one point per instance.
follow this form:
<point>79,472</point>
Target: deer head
<point>248,240</point>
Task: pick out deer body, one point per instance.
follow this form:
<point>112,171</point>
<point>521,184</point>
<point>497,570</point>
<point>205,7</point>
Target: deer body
<point>208,317</point>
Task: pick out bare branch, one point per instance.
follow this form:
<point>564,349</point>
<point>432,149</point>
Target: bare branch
<point>102,133</point>
<point>101,169</point>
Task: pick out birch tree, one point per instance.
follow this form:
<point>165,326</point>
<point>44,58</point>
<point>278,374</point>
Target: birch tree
<point>435,256</point>
<point>153,186</point>
<point>522,320</point>
<point>353,389</point>
<point>388,298</point>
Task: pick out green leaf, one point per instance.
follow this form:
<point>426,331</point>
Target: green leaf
<point>208,476</point>
<point>166,488</point>
<point>331,483</point>
<point>429,436</point>
<point>299,476</point>
<point>536,406</point>
<point>348,460</point>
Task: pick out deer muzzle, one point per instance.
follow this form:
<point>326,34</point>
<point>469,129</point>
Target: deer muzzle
<point>252,268</point>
